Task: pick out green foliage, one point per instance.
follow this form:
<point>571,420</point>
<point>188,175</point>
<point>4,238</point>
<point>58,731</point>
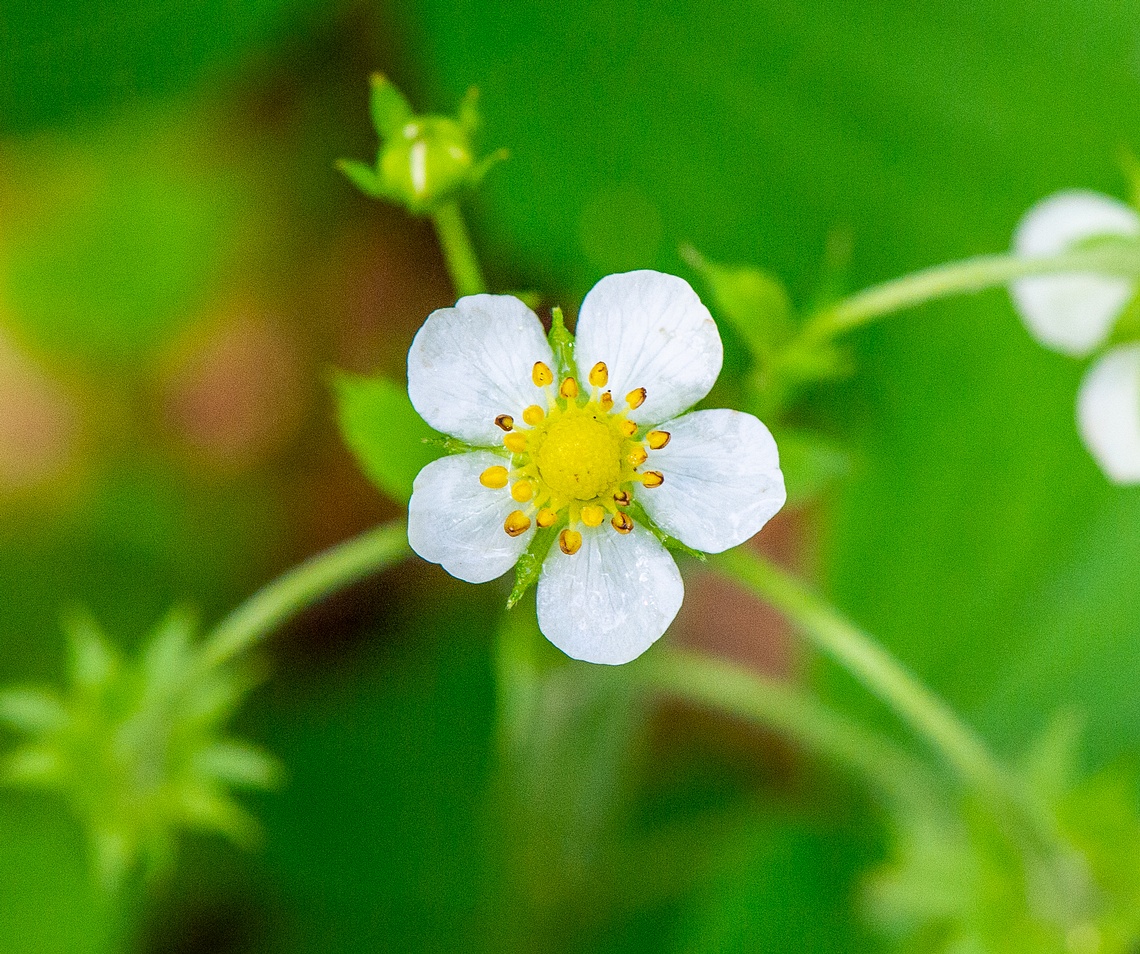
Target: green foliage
<point>138,747</point>
<point>383,430</point>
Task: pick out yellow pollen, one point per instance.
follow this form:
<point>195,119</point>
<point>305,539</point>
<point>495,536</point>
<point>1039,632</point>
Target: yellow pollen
<point>515,442</point>
<point>522,491</point>
<point>517,523</point>
<point>533,415</point>
<point>622,522</point>
<point>541,375</point>
<point>628,428</point>
<point>656,439</point>
<point>622,498</point>
<point>593,515</point>
<point>494,478</point>
<point>638,456</point>
<point>570,542</point>
<point>579,456</point>
<point>652,478</point>
<point>606,401</point>
<point>599,375</point>
<point>635,398</point>
<point>569,389</point>
<point>505,421</point>
<point>546,518</point>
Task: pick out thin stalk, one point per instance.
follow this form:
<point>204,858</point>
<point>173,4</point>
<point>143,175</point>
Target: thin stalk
<point>883,675</point>
<point>777,705</point>
<point>970,275</point>
<point>458,251</point>
<point>316,578</point>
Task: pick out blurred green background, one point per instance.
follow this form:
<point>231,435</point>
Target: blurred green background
<point>181,267</point>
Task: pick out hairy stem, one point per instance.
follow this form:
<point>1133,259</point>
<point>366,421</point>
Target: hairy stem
<point>882,674</point>
<point>316,578</point>
<point>1117,259</point>
<point>777,705</point>
<point>458,252</point>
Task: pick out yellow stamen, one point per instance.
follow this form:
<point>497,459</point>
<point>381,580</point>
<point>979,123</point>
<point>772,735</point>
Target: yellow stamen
<point>622,522</point>
<point>570,542</point>
<point>593,515</point>
<point>628,428</point>
<point>546,518</point>
<point>505,421</point>
<point>517,523</point>
<point>533,415</point>
<point>599,375</point>
<point>569,389</point>
<point>622,498</point>
<point>541,375</point>
<point>515,442</point>
<point>657,439</point>
<point>638,456</point>
<point>606,401</point>
<point>652,478</point>
<point>494,478</point>
<point>522,490</point>
<point>635,398</point>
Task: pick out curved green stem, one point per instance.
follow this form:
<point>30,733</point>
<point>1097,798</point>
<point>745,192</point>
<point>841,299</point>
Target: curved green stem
<point>458,251</point>
<point>316,578</point>
<point>880,672</point>
<point>1118,259</point>
<point>730,688</point>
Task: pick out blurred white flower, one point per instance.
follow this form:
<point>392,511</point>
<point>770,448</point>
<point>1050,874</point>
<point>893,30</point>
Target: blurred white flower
<point>1072,314</point>
<point>1076,314</point>
<point>1108,413</point>
<point>570,458</point>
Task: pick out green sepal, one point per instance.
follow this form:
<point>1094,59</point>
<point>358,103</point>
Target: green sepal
<point>390,109</point>
<point>670,543</point>
<point>755,303</point>
<point>529,567</point>
<point>363,177</point>
<point>562,344</point>
<point>468,113</point>
<point>380,426</point>
<point>454,446</point>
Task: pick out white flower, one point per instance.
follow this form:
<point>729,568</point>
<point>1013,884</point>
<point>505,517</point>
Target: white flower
<point>1072,314</point>
<point>1076,314</point>
<point>1108,413</point>
<point>574,457</point>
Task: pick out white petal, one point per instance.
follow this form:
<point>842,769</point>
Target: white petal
<point>722,480</point>
<point>1108,414</point>
<point>471,363</point>
<point>652,332</point>
<point>1071,313</point>
<point>455,521</point>
<point>610,601</point>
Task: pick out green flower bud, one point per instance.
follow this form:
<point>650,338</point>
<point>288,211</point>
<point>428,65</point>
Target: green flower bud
<point>423,160</point>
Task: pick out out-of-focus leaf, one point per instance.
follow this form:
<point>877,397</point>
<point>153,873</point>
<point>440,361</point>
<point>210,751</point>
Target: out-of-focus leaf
<point>811,464</point>
<point>32,710</point>
<point>384,431</point>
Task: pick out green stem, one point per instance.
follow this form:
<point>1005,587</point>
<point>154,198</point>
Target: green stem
<point>971,275</point>
<point>857,652</point>
<point>777,705</point>
<point>316,578</point>
<point>458,252</point>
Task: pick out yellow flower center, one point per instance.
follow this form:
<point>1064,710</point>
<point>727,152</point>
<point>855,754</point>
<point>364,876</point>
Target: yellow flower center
<point>574,461</point>
<point>578,453</point>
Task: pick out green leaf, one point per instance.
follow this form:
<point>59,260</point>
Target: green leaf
<point>390,108</point>
<point>164,661</point>
<point>384,431</point>
<point>239,764</point>
<point>32,710</point>
<point>93,660</point>
<point>34,766</point>
<point>755,303</point>
<point>811,465</point>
